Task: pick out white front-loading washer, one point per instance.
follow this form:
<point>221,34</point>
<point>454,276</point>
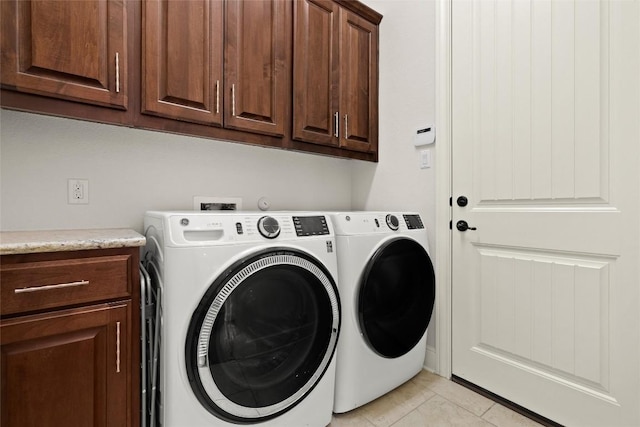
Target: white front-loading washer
<point>387,289</point>
<point>250,317</point>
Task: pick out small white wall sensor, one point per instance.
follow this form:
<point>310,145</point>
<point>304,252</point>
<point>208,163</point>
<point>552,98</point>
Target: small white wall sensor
<point>424,136</point>
<point>263,204</point>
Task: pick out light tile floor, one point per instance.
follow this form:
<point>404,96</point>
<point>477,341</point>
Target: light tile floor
<point>431,400</point>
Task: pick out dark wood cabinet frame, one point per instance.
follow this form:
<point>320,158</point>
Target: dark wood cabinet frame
<point>132,116</point>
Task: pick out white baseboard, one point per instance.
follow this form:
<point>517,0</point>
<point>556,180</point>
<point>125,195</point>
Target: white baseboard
<point>431,359</point>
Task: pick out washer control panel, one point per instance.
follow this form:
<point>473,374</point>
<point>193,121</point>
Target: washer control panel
<point>310,225</point>
<point>203,228</point>
<point>269,227</point>
<point>392,222</point>
<point>413,222</point>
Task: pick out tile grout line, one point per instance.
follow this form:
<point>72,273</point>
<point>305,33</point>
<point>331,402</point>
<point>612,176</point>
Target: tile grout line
<point>414,409</point>
<point>488,409</point>
<point>465,409</point>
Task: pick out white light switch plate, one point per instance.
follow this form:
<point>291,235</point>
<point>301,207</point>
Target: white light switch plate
<point>425,159</point>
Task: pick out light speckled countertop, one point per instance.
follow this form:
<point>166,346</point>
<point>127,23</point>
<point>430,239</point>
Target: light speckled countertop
<point>24,242</point>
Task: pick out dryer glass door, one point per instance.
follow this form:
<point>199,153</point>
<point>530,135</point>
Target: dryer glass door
<point>396,297</point>
<point>262,336</point>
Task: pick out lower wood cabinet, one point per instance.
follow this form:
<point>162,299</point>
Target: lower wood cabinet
<point>68,368</point>
<point>71,364</point>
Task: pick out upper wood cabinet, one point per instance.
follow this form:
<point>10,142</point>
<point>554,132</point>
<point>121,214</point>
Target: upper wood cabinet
<point>358,83</point>
<point>292,74</point>
<point>182,59</point>
<point>229,72</point>
<point>316,72</point>
<point>335,81</point>
<point>256,64</point>
<point>74,50</point>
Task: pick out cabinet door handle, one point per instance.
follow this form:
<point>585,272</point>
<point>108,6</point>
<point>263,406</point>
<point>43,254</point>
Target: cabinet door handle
<point>233,100</point>
<point>50,287</point>
<point>336,124</point>
<point>346,126</point>
<point>117,72</point>
<point>217,96</point>
<point>117,347</point>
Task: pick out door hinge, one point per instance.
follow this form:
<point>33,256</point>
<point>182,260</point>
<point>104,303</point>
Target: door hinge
<point>450,225</point>
<point>451,201</point>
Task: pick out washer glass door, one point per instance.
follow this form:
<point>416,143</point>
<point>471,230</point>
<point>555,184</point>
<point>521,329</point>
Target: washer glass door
<point>263,336</point>
<point>396,297</point>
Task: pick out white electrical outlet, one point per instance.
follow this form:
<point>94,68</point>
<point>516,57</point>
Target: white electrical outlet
<point>78,191</point>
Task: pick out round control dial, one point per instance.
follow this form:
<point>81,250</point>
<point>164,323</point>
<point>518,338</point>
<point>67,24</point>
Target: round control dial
<point>269,227</point>
<point>392,222</point>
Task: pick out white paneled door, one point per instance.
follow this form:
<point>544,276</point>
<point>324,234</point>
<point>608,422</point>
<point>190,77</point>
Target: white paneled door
<point>546,149</point>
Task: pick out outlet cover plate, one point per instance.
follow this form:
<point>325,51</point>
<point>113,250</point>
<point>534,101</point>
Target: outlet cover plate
<point>77,191</point>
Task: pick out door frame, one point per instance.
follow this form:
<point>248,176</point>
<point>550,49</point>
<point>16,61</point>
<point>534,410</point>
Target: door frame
<point>443,148</point>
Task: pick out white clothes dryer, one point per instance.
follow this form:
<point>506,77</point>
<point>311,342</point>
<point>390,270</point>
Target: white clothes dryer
<point>387,290</point>
<point>250,317</point>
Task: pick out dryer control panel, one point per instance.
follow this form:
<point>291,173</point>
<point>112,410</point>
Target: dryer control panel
<point>365,222</point>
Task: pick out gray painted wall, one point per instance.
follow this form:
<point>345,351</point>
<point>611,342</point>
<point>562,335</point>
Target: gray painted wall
<point>131,171</point>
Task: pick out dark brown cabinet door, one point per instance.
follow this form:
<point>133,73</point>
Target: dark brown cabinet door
<point>182,60</point>
<point>335,82</point>
<point>315,72</point>
<point>358,83</point>
<point>67,368</point>
<point>256,56</point>
<point>74,50</point>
